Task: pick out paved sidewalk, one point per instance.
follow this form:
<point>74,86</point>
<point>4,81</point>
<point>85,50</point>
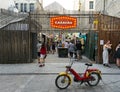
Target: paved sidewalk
<point>32,78</point>
<point>54,64</point>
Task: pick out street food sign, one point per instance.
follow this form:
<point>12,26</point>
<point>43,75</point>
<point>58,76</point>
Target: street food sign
<point>63,22</point>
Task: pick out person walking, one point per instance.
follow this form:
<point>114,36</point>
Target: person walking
<point>106,54</point>
<point>43,55</point>
<point>72,49</point>
<point>117,55</point>
<point>38,50</point>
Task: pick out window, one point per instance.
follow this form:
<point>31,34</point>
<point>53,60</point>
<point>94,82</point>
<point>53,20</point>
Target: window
<point>91,5</point>
<point>21,6</point>
<point>16,5</point>
<point>25,7</point>
<point>31,7</point>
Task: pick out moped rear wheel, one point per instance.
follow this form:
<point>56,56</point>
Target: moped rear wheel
<point>62,81</point>
<point>94,79</point>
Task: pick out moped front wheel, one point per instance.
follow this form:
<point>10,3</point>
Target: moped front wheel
<point>62,81</point>
<point>94,79</point>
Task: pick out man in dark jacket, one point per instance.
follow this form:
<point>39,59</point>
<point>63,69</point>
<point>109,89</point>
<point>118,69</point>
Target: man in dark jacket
<point>79,50</point>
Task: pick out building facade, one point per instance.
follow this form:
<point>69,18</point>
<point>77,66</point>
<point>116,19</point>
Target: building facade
<point>8,5</point>
<point>108,7</point>
<point>89,5</point>
<point>84,5</point>
<point>28,5</point>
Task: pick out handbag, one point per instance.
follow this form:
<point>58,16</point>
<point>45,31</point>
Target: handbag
<point>45,56</point>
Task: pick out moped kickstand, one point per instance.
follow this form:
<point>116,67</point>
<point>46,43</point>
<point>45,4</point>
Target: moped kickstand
<point>81,83</point>
<point>85,84</point>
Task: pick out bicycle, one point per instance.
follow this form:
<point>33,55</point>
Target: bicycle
<point>91,76</point>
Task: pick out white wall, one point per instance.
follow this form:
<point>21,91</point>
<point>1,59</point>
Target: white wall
<point>8,5</point>
<point>112,7</point>
<point>86,4</point>
<point>99,5</point>
<point>76,5</point>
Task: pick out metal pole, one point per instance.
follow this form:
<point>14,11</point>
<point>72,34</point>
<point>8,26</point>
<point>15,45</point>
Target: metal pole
<point>79,6</point>
<point>104,7</point>
<point>29,56</point>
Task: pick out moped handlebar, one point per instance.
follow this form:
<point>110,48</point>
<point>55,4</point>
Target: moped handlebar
<point>72,60</point>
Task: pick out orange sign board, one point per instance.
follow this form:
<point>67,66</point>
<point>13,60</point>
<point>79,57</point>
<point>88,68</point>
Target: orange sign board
<point>63,22</point>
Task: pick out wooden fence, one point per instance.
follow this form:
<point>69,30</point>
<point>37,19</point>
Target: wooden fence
<point>108,29</point>
<point>14,46</point>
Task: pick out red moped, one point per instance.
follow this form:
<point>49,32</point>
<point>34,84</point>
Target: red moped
<point>91,76</point>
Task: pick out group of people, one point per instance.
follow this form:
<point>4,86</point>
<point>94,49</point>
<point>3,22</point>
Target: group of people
<point>75,49</point>
<point>42,53</point>
<point>106,48</point>
<point>51,47</point>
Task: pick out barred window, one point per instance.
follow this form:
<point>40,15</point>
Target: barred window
<point>21,6</point>
<point>25,7</point>
<point>91,5</point>
<point>31,7</point>
<point>16,5</point>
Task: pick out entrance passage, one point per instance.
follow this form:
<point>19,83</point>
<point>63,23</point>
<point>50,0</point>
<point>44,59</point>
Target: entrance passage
<point>83,26</point>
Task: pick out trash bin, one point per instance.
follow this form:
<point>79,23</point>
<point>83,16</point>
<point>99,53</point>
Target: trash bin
<point>62,52</point>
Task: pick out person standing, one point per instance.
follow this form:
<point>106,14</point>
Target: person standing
<point>79,49</point>
<point>43,55</point>
<point>106,54</point>
<point>66,44</point>
<point>48,47</point>
<point>53,47</point>
<point>72,49</point>
<point>117,55</point>
<point>38,50</point>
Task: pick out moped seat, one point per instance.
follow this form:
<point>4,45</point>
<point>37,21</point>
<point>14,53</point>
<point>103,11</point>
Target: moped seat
<point>68,66</point>
<point>88,64</point>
